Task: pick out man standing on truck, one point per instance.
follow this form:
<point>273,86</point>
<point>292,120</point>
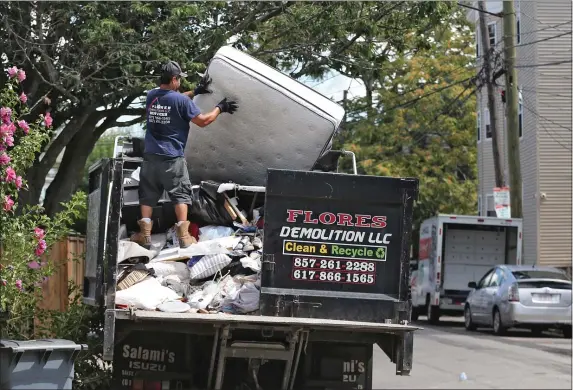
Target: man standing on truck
<point>164,167</point>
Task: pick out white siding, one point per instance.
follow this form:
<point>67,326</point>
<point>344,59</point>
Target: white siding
<point>554,132</point>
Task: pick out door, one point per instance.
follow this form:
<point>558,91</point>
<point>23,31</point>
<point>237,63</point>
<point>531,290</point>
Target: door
<point>477,300</point>
<point>491,294</point>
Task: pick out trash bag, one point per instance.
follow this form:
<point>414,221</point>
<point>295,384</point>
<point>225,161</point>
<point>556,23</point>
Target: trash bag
<point>211,232</point>
<point>208,206</point>
<point>247,299</point>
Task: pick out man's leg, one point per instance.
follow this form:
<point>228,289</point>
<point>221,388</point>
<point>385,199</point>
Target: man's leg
<point>150,190</point>
<point>178,187</point>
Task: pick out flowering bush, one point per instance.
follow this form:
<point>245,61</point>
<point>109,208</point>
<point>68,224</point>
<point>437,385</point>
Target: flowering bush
<point>25,234</point>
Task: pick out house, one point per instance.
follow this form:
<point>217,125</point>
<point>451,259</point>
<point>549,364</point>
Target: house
<point>543,64</point>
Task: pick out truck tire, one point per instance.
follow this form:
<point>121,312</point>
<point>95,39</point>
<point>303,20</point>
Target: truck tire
<point>432,313</point>
<point>415,313</point>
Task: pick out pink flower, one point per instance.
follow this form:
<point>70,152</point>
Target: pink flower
<point>19,284</point>
<point>2,148</point>
<point>4,159</point>
<point>18,182</point>
<point>10,175</point>
<point>9,140</point>
<point>23,97</point>
<point>5,114</point>
<point>34,265</point>
<point>24,126</point>
<point>4,282</point>
<point>48,119</point>
<point>21,75</point>
<point>8,203</point>
<point>39,233</point>
<point>41,248</point>
<point>11,127</point>
<point>12,71</point>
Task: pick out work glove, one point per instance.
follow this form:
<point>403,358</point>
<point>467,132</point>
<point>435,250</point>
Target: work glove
<point>229,106</point>
<point>203,86</point>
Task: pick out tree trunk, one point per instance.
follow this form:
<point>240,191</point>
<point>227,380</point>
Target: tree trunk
<point>70,174</point>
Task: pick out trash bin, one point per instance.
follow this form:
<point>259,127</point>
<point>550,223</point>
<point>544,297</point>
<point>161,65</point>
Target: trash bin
<point>38,364</point>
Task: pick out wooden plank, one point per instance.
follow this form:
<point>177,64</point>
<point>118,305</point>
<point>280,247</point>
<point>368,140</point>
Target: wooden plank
<point>315,323</point>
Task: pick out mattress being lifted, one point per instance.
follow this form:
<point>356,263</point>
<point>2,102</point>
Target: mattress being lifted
<point>281,123</point>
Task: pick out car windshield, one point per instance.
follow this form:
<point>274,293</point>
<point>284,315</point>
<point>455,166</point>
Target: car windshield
<point>538,274</point>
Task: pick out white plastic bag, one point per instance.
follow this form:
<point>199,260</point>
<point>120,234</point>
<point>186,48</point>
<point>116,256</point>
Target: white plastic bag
<point>248,299</point>
<point>146,295</point>
<point>168,268</point>
<point>252,263</point>
<point>212,232</point>
<point>228,288</point>
<point>200,299</point>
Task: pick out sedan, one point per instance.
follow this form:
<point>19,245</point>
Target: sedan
<point>520,296</point>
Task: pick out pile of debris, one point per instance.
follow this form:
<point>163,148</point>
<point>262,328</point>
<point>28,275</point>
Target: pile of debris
<point>220,273</point>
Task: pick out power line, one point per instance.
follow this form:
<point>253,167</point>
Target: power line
<point>543,40</point>
<point>540,22</point>
<point>544,118</point>
<point>545,64</point>
<point>479,10</point>
<point>553,138</point>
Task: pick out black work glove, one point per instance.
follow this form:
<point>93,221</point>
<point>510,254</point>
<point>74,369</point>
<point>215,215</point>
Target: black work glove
<point>203,86</point>
<point>229,106</point>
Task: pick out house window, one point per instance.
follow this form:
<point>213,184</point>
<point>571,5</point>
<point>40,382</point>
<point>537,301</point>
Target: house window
<point>492,30</point>
<point>520,119</point>
<point>477,42</point>
<point>487,124</point>
<point>479,205</point>
<point>490,206</point>
<point>479,126</point>
<point>518,22</point>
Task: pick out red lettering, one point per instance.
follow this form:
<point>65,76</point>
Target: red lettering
<point>345,219</point>
<point>378,222</point>
<point>292,214</point>
<point>327,218</point>
<point>308,216</point>
<point>361,220</point>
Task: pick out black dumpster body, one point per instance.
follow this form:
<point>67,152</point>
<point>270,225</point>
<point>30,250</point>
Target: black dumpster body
<point>312,332</point>
<point>337,246</point>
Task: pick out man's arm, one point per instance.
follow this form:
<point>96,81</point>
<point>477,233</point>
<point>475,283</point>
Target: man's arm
<point>203,120</point>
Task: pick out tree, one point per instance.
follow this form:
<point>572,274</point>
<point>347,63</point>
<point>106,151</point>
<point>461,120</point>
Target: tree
<point>423,122</point>
<point>88,62</point>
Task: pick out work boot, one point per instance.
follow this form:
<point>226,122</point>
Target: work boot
<point>185,239</point>
<point>143,237</point>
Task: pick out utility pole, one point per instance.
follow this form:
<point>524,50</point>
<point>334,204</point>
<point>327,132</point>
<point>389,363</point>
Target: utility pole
<point>514,162</point>
<point>487,60</point>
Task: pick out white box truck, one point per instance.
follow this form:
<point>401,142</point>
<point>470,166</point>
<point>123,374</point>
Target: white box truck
<point>455,250</point>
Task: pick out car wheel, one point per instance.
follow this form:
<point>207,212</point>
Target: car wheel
<point>567,332</point>
<point>468,322</point>
<point>498,327</point>
<point>432,313</point>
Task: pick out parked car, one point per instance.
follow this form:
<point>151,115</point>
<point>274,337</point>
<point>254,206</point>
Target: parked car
<point>511,296</point>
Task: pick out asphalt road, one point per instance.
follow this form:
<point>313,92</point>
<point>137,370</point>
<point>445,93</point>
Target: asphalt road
<point>515,361</point>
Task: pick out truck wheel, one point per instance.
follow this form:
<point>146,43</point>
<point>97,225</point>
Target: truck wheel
<point>432,313</point>
<point>415,313</point>
<point>468,322</point>
<point>498,327</point>
<point>567,332</point>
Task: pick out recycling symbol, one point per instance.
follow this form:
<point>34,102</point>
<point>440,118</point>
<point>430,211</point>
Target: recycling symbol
<point>381,253</point>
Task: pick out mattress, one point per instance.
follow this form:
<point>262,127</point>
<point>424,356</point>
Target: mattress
<point>280,123</point>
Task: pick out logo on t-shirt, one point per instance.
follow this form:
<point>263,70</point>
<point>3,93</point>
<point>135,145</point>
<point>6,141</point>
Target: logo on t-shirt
<point>159,114</point>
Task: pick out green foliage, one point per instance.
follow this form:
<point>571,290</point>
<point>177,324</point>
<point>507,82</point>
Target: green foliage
<point>422,123</point>
<point>26,237</point>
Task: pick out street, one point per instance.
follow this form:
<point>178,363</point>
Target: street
<point>443,352</point>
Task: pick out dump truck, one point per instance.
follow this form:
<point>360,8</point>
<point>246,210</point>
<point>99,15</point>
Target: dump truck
<point>334,276</point>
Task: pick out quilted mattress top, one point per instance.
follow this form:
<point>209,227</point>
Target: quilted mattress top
<point>280,123</point>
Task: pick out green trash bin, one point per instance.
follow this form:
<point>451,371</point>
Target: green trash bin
<point>38,364</point>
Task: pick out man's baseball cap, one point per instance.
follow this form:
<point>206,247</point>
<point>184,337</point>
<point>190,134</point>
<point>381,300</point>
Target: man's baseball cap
<point>172,68</point>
